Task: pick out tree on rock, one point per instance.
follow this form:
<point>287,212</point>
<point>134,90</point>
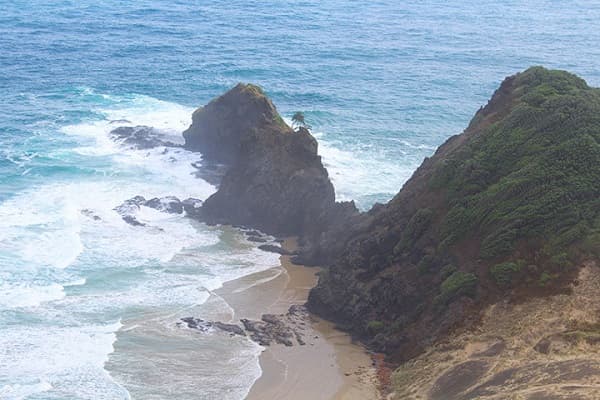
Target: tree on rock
<point>299,121</point>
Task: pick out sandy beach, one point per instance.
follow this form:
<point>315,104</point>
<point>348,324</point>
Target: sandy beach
<point>329,366</point>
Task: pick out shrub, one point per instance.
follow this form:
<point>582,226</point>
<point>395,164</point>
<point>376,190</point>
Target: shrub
<point>447,270</point>
<point>560,260</point>
<point>424,266</point>
<point>375,327</point>
<point>545,278</point>
<point>456,285</point>
<point>416,226</point>
<point>504,273</point>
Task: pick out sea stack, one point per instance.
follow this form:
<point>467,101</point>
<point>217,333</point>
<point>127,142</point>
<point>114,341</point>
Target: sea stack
<point>275,180</point>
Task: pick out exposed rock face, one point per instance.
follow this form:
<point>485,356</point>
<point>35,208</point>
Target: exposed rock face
<point>507,210</point>
<point>275,181</point>
<point>543,348</point>
<point>220,128</point>
<point>504,213</point>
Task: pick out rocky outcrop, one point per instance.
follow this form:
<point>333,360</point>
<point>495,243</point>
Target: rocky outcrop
<point>275,180</point>
<point>168,204</point>
<point>505,211</point>
<point>204,326</point>
<point>140,137</point>
<point>286,329</point>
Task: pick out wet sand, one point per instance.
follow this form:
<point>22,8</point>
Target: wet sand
<point>328,367</point>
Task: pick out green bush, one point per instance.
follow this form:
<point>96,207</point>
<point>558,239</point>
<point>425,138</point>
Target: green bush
<point>416,226</point>
<point>504,273</point>
<point>560,260</point>
<point>456,285</point>
<point>424,266</point>
<point>545,278</point>
<point>375,327</point>
<point>447,270</point>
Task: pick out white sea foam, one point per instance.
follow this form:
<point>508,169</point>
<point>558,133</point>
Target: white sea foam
<point>26,295</point>
<point>357,176</point>
<point>41,227</point>
<point>67,360</point>
<point>69,256</point>
<point>22,391</point>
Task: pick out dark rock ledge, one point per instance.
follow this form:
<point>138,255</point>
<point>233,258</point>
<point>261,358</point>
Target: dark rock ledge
<point>286,329</point>
<point>168,204</point>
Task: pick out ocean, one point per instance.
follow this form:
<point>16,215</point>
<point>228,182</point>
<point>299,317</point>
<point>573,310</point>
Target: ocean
<point>89,306</point>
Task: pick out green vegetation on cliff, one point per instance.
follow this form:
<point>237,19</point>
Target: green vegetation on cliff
<point>513,203</point>
<point>528,184</point>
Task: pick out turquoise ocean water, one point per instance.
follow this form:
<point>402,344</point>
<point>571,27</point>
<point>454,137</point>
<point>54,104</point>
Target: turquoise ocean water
<point>88,308</point>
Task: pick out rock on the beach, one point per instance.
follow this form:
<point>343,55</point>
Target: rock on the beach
<point>282,328</point>
<point>231,328</point>
<point>203,326</point>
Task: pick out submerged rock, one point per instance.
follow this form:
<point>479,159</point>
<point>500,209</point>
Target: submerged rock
<point>129,208</point>
<point>90,214</point>
<point>168,204</point>
<point>256,239</point>
<point>131,220</point>
<point>140,137</point>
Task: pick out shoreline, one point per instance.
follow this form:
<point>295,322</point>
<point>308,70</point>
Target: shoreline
<point>343,369</point>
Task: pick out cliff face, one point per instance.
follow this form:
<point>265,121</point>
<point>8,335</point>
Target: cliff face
<point>507,210</point>
<point>275,180</point>
<point>543,348</point>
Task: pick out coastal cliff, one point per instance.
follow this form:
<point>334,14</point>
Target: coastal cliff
<point>505,214</point>
<point>507,210</point>
<point>275,180</point>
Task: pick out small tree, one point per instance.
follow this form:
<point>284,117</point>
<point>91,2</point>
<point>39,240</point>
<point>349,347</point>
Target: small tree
<point>299,121</point>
